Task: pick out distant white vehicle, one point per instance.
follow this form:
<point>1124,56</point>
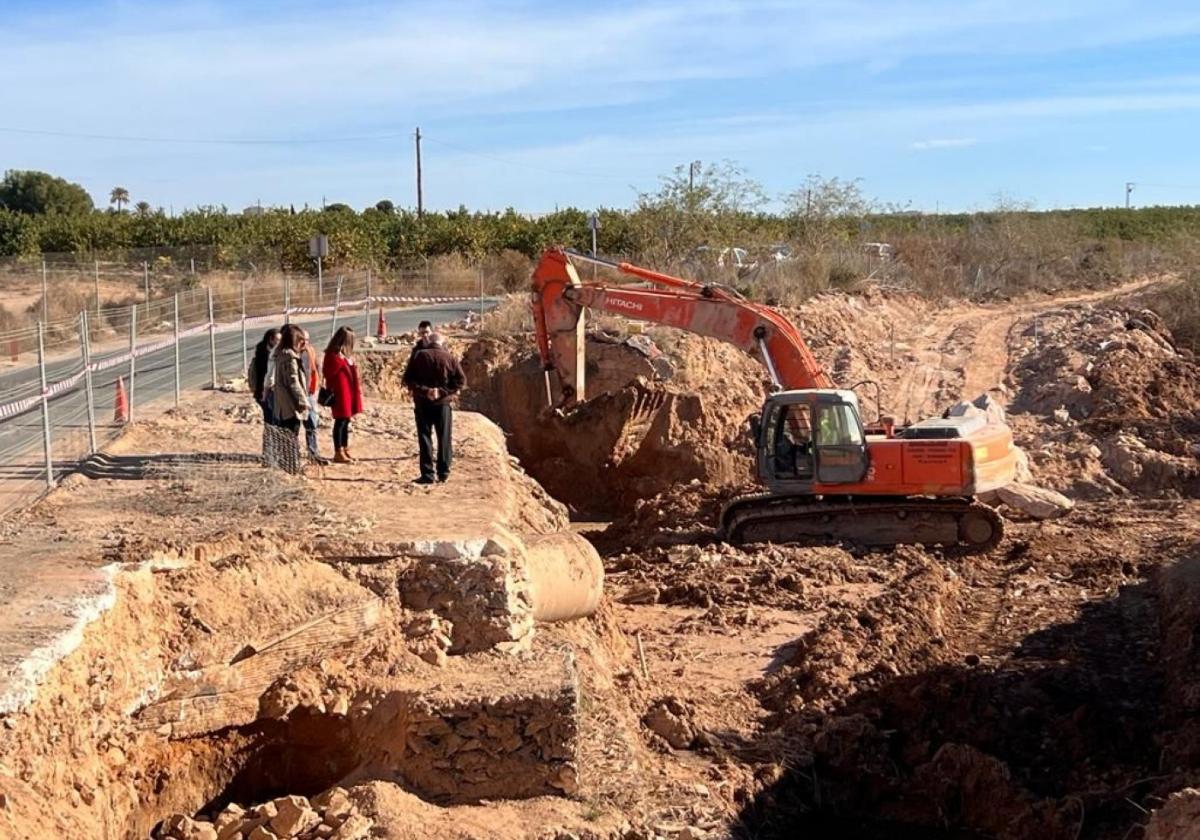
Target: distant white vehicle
<point>878,250</point>
<point>703,259</point>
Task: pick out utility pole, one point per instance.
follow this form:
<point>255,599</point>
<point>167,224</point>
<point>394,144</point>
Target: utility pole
<point>420,196</point>
<point>1129,185</point>
<point>693,168</point>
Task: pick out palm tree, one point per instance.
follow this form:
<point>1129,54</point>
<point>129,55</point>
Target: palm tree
<point>119,196</point>
<point>142,208</point>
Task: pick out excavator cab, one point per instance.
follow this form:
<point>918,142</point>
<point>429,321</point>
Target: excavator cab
<point>810,436</point>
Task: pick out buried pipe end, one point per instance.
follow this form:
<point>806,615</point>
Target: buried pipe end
<point>566,576</point>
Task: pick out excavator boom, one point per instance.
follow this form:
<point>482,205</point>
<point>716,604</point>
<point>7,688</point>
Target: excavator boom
<point>560,298</point>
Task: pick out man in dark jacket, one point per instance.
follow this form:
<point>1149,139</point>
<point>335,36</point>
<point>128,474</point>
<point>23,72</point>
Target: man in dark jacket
<point>434,377</point>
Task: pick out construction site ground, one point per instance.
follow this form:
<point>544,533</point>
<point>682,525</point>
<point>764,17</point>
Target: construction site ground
<point>201,647</point>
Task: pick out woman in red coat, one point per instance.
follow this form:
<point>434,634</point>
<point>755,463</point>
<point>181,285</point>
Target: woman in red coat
<point>341,377</point>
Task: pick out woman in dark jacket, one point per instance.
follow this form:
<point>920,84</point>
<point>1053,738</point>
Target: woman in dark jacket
<point>341,377</point>
<point>258,371</point>
<point>260,385</point>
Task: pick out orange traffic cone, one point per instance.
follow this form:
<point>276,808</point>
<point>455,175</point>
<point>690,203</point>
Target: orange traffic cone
<point>381,327</point>
<point>121,403</point>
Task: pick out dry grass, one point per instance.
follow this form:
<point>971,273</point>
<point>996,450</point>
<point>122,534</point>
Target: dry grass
<point>508,271</point>
<point>512,317</point>
<point>1179,307</point>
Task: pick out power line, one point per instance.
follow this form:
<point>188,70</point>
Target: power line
<point>203,141</point>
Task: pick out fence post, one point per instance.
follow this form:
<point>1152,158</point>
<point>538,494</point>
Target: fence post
<point>45,294</point>
<point>481,291</point>
<point>337,301</point>
<point>133,354</point>
<point>287,298</point>
<point>367,307</point>
<point>245,361</point>
<point>193,266</point>
<point>96,268</point>
<point>146,280</point>
<point>177,349</point>
<point>41,330</point>
<point>212,338</point>
<point>85,353</point>
<point>428,280</point>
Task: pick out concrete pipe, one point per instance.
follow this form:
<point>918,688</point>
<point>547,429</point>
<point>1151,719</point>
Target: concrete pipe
<point>566,577</point>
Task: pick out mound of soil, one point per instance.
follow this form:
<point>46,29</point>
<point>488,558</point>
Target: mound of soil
<point>651,424</point>
<point>1112,406</point>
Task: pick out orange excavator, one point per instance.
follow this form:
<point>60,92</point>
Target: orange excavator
<point>828,476</point>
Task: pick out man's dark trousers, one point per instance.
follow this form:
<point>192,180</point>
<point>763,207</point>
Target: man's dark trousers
<point>431,417</point>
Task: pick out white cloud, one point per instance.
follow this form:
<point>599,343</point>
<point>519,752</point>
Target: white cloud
<point>944,143</point>
<point>228,70</point>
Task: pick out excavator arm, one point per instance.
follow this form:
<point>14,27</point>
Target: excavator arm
<point>560,298</point>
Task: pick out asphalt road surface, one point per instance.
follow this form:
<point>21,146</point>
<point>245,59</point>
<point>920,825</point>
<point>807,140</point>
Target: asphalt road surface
<point>22,458</point>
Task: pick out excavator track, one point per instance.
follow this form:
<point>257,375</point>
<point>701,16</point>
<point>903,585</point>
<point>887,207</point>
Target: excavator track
<point>867,521</point>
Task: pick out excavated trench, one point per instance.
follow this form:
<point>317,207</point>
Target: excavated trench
<point>1086,719</point>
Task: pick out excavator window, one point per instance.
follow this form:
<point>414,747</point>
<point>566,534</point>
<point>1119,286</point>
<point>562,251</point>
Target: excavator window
<point>793,443</point>
<point>841,447</point>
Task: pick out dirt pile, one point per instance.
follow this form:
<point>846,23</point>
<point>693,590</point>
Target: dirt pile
<point>1110,405</point>
<point>653,421</point>
<point>867,338</point>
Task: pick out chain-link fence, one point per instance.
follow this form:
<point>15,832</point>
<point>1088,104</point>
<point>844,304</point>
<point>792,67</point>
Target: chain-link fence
<point>68,385</point>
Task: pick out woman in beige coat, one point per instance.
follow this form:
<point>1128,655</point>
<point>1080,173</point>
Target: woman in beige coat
<point>290,393</point>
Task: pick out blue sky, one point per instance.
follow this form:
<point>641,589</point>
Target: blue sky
<point>933,104</point>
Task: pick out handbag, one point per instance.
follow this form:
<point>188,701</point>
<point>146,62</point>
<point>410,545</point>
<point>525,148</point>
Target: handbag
<point>325,397</point>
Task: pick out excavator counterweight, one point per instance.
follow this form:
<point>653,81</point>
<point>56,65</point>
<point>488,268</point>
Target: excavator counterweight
<point>828,476</point>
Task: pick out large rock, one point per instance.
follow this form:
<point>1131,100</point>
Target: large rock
<point>992,407</point>
<point>985,405</point>
<point>1036,502</point>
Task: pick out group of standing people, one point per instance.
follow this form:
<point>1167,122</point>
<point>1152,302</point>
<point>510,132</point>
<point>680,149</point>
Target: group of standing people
<point>287,386</point>
<point>283,377</point>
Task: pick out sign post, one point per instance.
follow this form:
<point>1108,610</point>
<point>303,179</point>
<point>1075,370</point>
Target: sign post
<point>318,248</point>
<point>594,226</point>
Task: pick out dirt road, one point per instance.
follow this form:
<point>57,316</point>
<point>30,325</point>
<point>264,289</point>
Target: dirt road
<point>962,351</point>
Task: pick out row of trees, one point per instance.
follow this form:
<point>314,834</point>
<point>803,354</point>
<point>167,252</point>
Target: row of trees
<point>719,207</point>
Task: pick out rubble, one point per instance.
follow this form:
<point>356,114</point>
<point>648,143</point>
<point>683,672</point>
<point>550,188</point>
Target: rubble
<point>329,815</point>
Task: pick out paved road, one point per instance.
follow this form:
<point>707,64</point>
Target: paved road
<point>22,460</point>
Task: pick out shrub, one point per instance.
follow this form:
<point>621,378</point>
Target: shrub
<point>510,270</point>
